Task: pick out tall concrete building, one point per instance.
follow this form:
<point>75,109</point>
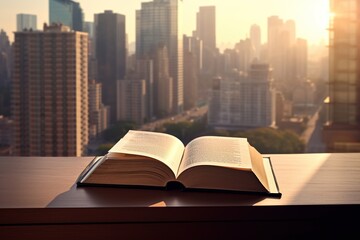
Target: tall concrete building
<point>192,66</point>
<point>159,23</point>
<point>110,53</point>
<point>131,99</point>
<point>240,101</point>
<point>66,12</point>
<point>50,92</point>
<point>163,84</point>
<point>5,58</point>
<point>5,73</point>
<point>255,38</point>
<point>206,31</point>
<point>281,56</point>
<point>98,112</point>
<point>145,70</point>
<point>342,131</point>
<point>245,52</point>
<point>301,58</point>
<point>206,26</point>
<point>26,21</point>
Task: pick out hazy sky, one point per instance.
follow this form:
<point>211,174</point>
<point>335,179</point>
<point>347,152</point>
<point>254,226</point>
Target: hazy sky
<point>234,17</point>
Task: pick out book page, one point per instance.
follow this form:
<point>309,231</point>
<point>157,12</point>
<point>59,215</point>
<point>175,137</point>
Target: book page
<point>163,147</point>
<point>217,151</point>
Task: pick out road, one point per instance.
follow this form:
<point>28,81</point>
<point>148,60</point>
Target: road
<point>189,115</point>
<point>312,136</point>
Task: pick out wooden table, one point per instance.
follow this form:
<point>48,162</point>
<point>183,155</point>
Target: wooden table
<point>39,200</point>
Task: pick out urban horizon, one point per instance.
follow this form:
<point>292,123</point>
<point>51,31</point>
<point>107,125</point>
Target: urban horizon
<point>260,82</point>
<point>302,12</point>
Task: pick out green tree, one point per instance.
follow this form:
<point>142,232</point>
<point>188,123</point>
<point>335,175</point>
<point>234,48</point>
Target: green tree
<point>268,140</point>
<point>103,149</point>
<point>114,133</point>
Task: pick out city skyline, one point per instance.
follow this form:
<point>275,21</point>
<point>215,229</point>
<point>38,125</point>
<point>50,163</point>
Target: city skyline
<point>311,17</point>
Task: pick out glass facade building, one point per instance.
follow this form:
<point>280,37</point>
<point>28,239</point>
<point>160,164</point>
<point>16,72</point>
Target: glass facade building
<point>26,21</point>
<point>342,131</point>
<point>159,23</point>
<point>66,12</point>
<point>111,55</point>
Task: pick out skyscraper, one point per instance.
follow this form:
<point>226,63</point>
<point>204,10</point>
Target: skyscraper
<point>50,92</point>
<point>5,73</point>
<point>255,37</point>
<point>110,55</point>
<point>66,12</point>
<point>281,40</point>
<point>206,31</point>
<point>206,26</point>
<point>28,21</point>
<point>342,131</point>
<point>159,23</point>
<point>192,63</point>
<point>98,113</point>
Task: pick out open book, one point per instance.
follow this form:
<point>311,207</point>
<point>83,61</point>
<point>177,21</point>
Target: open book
<point>143,158</point>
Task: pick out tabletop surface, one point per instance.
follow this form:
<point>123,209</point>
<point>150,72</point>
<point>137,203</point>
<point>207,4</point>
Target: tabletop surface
<point>303,179</point>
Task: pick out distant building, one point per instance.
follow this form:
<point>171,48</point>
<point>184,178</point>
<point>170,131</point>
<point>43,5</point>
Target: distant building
<point>5,58</point>
<point>159,23</point>
<point>50,92</point>
<point>145,70</point>
<point>89,28</point>
<point>342,130</point>
<point>245,54</point>
<point>255,38</point>
<point>206,32</point>
<point>163,83</point>
<point>281,42</point>
<point>5,73</point>
<point>304,96</point>
<point>131,97</point>
<point>301,59</point>
<point>98,113</point>
<point>66,12</point>
<point>26,21</point>
<point>110,55</point>
<point>192,63</point>
<point>243,101</point>
<point>6,136</point>
<point>206,26</point>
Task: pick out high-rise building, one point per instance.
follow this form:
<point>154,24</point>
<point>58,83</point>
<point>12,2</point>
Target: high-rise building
<point>342,131</point>
<point>50,92</point>
<point>206,31</point>
<point>110,55</point>
<point>192,64</point>
<point>281,56</point>
<point>206,26</point>
<point>92,70</point>
<point>5,58</point>
<point>145,70</point>
<point>26,21</point>
<point>5,73</point>
<point>131,99</point>
<point>245,52</point>
<point>301,58</point>
<point>66,12</point>
<point>243,101</point>
<point>159,23</point>
<point>98,113</point>
<point>163,83</point>
<point>255,38</point>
